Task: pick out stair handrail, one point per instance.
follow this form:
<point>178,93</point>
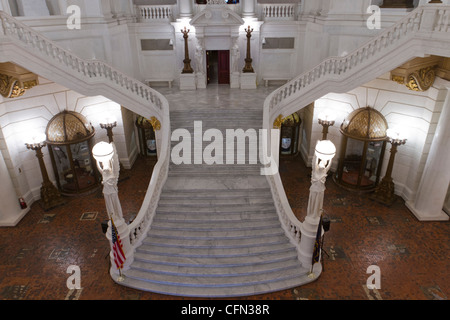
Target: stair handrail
<point>97,72</point>
<point>426,19</point>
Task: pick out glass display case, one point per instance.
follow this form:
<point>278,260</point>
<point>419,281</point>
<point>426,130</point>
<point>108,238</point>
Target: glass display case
<point>69,137</point>
<point>362,150</point>
<point>147,139</point>
<point>290,133</point>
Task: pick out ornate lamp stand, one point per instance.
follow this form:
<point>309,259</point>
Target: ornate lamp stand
<point>248,60</point>
<point>109,125</point>
<point>384,193</point>
<point>50,196</point>
<point>326,121</point>
<point>311,227</point>
<point>187,62</point>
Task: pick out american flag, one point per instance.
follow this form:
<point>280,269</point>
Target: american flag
<point>119,255</point>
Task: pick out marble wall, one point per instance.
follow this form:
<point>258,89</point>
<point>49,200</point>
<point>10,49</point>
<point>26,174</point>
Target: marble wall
<point>31,113</point>
<point>416,113</point>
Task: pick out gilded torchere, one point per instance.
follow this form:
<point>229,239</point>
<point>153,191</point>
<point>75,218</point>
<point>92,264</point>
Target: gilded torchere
<point>384,193</point>
<point>187,62</point>
<point>248,60</point>
<point>50,196</point>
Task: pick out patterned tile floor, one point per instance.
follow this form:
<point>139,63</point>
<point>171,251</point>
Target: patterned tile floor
<point>413,256</point>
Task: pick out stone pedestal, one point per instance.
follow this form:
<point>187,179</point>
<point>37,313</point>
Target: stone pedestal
<point>201,80</point>
<point>234,80</point>
<point>187,81</point>
<point>307,241</point>
<point>248,80</point>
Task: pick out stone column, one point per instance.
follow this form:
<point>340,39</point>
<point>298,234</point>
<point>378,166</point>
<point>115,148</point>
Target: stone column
<point>433,186</point>
<point>10,211</point>
<point>186,8</point>
<point>248,8</point>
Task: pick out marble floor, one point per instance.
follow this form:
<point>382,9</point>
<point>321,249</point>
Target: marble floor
<point>412,256</point>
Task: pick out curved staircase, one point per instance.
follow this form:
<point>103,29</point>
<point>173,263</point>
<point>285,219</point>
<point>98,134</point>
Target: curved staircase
<point>223,230</point>
<point>216,232</point>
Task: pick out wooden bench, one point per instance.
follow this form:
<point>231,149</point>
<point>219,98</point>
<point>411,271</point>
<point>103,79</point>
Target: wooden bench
<point>168,80</point>
<point>267,79</point>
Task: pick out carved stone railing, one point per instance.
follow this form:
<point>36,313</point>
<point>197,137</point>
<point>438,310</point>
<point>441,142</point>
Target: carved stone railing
<point>148,13</point>
<point>23,45</point>
<point>279,11</point>
<point>424,31</point>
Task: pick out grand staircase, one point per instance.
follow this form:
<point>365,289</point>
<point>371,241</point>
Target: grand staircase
<point>216,232</point>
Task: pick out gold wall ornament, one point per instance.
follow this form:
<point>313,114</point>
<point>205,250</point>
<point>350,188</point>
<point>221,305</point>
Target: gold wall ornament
<point>398,79</point>
<point>419,74</point>
<point>15,80</point>
<point>17,91</point>
<point>278,122</point>
<point>155,123</point>
<point>421,80</point>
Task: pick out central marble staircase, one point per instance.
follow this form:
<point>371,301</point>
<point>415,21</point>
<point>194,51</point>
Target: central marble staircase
<point>216,232</point>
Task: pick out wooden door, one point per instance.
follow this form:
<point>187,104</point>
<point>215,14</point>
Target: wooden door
<point>224,66</point>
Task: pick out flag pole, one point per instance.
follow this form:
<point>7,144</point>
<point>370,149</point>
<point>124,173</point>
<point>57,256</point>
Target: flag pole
<point>121,277</point>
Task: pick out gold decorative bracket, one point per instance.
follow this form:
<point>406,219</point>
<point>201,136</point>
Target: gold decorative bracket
<point>155,123</point>
<point>418,74</point>
<point>14,80</point>
<point>278,122</point>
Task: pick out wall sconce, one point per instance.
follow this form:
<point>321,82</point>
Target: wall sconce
<point>385,191</point>
<point>50,196</point>
<point>326,120</point>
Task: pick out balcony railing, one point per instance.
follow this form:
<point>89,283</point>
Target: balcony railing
<point>154,13</point>
<point>279,11</point>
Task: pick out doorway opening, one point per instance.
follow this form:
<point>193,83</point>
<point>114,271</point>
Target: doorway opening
<point>218,66</point>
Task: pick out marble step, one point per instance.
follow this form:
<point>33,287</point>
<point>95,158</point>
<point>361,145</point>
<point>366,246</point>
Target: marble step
<point>219,291</point>
<point>217,234</point>
<point>214,281</point>
<point>212,252</point>
<point>224,209</point>
<point>215,262</point>
<point>215,225</point>
<point>212,216</point>
<point>276,266</point>
<point>215,169</point>
<point>169,241</point>
<point>227,182</point>
<point>197,201</point>
<point>217,194</point>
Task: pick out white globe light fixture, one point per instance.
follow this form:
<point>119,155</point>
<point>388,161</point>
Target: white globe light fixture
<point>103,153</point>
<point>325,151</point>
